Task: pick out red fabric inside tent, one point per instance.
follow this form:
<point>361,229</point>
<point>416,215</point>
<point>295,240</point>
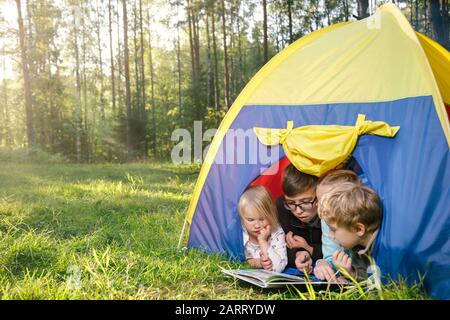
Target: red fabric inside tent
<point>272,178</point>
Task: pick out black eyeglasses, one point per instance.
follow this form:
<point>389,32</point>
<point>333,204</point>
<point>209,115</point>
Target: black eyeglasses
<point>304,206</point>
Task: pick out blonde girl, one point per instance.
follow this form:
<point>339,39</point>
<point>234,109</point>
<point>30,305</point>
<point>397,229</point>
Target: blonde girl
<point>264,239</point>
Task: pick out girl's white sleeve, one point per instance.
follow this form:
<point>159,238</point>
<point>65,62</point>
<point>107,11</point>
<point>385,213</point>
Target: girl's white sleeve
<point>277,250</point>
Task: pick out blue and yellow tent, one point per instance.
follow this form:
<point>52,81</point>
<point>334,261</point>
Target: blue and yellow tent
<point>378,67</point>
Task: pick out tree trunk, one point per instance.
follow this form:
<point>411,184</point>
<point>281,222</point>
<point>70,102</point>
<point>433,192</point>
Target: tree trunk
<point>119,64</point>
<point>180,98</point>
<point>279,31</point>
<point>225,58</point>
<point>411,15</point>
<point>78,80</point>
<point>26,78</point>
<point>231,55</point>
<point>194,49</point>
<point>102,95</point>
<point>265,41</point>
<point>438,27</point>
<point>111,56</point>
<point>216,62</point>
<point>136,62</point>
<point>291,36</point>
<point>127,78</point>
<point>4,105</point>
<point>196,32</point>
<point>426,14</point>
<point>446,22</point>
<point>84,87</point>
<point>417,14</point>
<point>363,6</point>
<point>144,110</point>
<point>6,131</point>
<point>152,86</point>
<point>191,39</point>
<point>240,58</point>
<point>210,81</point>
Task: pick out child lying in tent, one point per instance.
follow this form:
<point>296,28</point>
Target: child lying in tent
<point>353,213</point>
<point>264,239</point>
<point>324,268</point>
<point>297,214</point>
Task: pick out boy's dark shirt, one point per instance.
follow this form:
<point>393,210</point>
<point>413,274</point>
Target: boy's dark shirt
<point>312,232</point>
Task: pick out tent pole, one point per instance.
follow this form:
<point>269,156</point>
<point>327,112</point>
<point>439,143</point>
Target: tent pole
<point>181,235</point>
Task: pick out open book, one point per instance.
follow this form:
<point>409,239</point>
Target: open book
<point>269,279</point>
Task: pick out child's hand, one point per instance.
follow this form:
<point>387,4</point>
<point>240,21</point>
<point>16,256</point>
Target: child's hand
<point>342,260</point>
<point>266,262</point>
<point>264,234</point>
<point>303,261</point>
<point>324,271</point>
<point>297,242</point>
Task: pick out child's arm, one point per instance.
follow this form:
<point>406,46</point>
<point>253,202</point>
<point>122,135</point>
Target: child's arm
<point>266,262</point>
<point>303,261</point>
<point>343,261</point>
<point>328,246</point>
<point>255,263</point>
<point>300,243</point>
<point>277,250</point>
<point>324,271</point>
<point>263,241</point>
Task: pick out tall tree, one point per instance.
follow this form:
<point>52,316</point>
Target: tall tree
<point>152,85</point>
<point>142,53</point>
<point>78,81</point>
<point>100,63</point>
<point>225,58</point>
<point>291,34</point>
<point>446,22</point>
<point>265,37</point>
<point>216,60</point>
<point>119,64</point>
<point>26,77</point>
<point>426,19</point>
<point>363,9</point>
<point>84,50</point>
<point>5,133</point>
<point>135,55</point>
<point>143,95</point>
<point>111,56</point>
<point>180,97</point>
<point>210,79</point>
<point>439,21</point>
<point>416,10</point>
<point>194,43</point>
<point>127,80</point>
<point>232,52</point>
<point>241,64</point>
<point>346,10</point>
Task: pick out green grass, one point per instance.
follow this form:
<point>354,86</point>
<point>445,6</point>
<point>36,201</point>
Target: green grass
<point>111,232</point>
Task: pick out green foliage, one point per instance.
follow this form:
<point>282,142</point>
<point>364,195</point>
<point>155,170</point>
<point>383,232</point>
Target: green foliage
<point>111,232</point>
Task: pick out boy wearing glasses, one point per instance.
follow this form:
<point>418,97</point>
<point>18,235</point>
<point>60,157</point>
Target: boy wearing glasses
<point>297,214</point>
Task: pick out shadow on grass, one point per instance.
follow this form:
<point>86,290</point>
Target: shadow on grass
<point>33,260</point>
<point>84,216</point>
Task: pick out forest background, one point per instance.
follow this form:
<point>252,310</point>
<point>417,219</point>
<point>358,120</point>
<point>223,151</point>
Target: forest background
<point>110,80</point>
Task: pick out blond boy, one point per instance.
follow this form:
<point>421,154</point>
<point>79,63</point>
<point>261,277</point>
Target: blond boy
<point>324,268</point>
<point>353,214</point>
